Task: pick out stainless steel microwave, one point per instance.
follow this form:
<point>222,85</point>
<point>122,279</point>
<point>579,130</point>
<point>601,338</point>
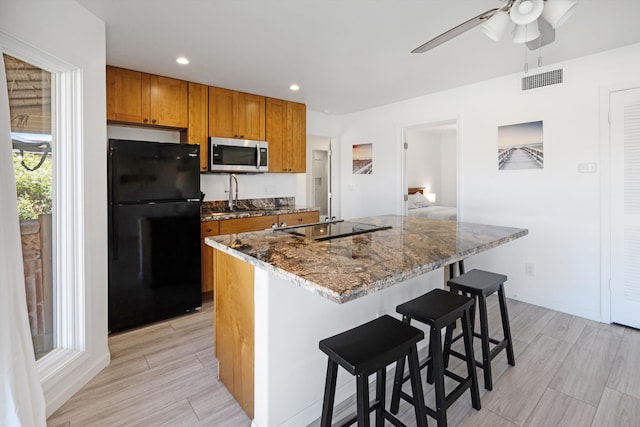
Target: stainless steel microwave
<point>238,155</point>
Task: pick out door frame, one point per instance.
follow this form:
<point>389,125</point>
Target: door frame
<point>605,194</point>
<point>402,205</point>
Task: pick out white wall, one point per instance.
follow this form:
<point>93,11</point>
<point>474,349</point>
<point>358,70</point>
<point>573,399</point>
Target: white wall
<point>449,173</point>
<point>559,206</point>
<point>68,32</point>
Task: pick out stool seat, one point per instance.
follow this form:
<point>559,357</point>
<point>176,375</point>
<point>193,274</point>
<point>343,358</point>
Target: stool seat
<point>362,350</point>
<point>480,284</point>
<point>439,309</point>
<point>366,349</point>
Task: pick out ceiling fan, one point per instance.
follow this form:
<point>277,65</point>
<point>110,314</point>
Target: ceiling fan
<point>535,23</point>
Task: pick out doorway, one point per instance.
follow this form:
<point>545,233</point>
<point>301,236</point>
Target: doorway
<point>431,166</point>
<point>319,175</point>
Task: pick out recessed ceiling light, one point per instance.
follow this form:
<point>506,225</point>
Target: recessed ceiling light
<point>294,87</point>
<point>182,60</point>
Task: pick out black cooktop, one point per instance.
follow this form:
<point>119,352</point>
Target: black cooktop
<point>333,230</point>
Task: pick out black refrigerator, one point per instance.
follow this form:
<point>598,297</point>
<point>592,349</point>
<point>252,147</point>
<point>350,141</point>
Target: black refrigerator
<point>154,231</point>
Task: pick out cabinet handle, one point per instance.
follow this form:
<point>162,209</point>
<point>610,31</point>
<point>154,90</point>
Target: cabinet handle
<point>145,120</point>
<point>153,121</point>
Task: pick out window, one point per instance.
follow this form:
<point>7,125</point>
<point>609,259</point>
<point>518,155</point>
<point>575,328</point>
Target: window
<point>29,90</point>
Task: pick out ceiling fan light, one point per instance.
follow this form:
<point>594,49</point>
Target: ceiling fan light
<point>526,33</point>
<point>524,12</point>
<point>496,26</point>
<point>556,12</point>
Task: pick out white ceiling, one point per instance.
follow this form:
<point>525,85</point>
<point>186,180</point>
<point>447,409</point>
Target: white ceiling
<point>347,55</point>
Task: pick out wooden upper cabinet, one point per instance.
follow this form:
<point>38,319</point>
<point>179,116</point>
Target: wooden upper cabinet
<point>221,112</point>
<point>286,135</point>
<point>250,113</point>
<point>168,101</point>
<point>198,123</point>
<point>125,100</point>
<point>235,114</point>
<point>140,98</point>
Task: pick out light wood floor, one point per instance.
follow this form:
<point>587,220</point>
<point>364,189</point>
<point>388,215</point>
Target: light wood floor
<point>569,372</point>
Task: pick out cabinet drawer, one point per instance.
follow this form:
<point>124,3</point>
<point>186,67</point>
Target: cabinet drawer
<point>209,228</point>
<point>299,218</point>
<point>242,225</point>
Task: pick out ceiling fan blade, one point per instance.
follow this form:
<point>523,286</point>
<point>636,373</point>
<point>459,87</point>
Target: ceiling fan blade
<point>455,31</point>
<point>547,35</point>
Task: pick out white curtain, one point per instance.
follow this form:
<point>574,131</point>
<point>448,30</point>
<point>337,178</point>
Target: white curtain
<point>22,401</point>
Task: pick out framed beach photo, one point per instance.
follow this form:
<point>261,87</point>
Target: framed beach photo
<point>362,159</point>
<point>520,146</point>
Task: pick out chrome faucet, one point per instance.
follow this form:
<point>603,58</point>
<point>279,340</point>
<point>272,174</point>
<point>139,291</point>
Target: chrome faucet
<point>233,203</point>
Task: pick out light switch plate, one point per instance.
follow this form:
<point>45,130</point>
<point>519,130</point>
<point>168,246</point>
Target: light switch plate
<point>588,167</point>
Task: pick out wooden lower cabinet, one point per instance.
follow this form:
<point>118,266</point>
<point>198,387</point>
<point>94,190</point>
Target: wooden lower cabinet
<point>207,228</point>
<point>243,225</point>
<point>298,218</point>
<point>234,327</point>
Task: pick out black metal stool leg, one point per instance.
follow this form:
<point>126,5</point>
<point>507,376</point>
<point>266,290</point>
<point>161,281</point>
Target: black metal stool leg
<point>505,326</point>
<point>484,337</point>
<point>381,380</point>
<point>416,387</point>
<point>448,337</point>
<point>329,394</point>
<point>438,377</point>
<point>397,387</point>
<point>471,361</point>
<point>362,385</point>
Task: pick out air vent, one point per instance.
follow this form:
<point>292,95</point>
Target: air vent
<point>541,80</point>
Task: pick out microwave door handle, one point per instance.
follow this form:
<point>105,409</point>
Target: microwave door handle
<point>258,158</point>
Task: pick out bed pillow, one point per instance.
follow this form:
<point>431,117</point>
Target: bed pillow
<point>419,200</point>
<point>410,204</point>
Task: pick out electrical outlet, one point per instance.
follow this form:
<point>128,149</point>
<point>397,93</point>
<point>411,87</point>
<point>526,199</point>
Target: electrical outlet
<point>529,269</point>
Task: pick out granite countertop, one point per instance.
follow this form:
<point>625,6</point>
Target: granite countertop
<point>350,267</point>
<point>219,209</point>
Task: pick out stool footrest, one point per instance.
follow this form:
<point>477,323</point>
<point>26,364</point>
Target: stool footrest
<point>500,345</point>
<point>387,415</point>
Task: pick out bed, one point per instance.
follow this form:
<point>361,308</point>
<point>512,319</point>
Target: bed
<point>419,206</point>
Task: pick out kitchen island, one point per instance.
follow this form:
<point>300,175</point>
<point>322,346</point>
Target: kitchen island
<point>277,295</point>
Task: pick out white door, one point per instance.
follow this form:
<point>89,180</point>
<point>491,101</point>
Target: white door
<point>625,207</point>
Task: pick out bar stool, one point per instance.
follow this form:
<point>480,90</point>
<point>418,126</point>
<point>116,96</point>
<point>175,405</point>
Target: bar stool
<point>438,309</point>
<point>479,284</point>
<point>366,349</point>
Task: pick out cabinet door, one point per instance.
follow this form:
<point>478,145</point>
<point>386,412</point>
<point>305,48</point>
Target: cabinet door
<point>243,225</point>
<point>221,112</point>
<point>297,137</point>
<point>299,218</point>
<point>249,119</point>
<point>198,123</point>
<point>127,96</point>
<point>168,101</point>
<point>207,228</point>
<point>276,111</point>
<point>287,136</point>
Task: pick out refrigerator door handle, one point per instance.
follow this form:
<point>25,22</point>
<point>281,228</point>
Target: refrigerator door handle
<point>114,232</point>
